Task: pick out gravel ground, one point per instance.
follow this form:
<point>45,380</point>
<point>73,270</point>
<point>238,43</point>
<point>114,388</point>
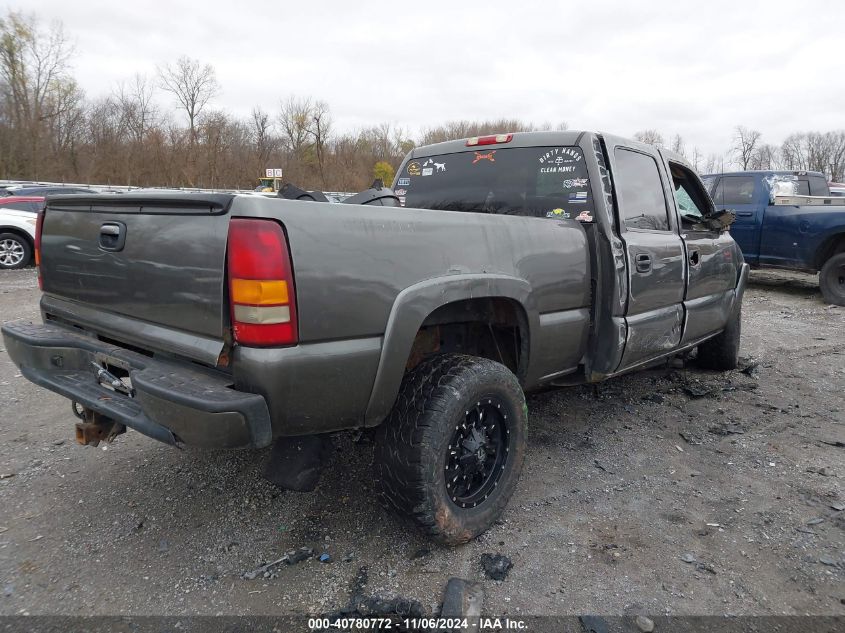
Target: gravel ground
<point>672,491</point>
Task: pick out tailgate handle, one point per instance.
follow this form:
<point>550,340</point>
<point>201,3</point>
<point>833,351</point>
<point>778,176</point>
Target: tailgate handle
<point>113,236</point>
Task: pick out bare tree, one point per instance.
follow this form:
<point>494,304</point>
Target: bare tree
<point>696,159</point>
<point>815,151</point>
<point>764,157</point>
<point>678,145</point>
<point>66,128</point>
<point>295,121</point>
<point>745,144</point>
<point>193,84</point>
<point>714,164</point>
<point>652,137</point>
<point>137,107</point>
<point>837,156</point>
<point>34,65</point>
<point>461,129</point>
<point>320,129</point>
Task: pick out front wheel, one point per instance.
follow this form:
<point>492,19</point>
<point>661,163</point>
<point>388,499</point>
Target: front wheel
<point>722,351</point>
<point>15,251</point>
<point>449,455</point>
<point>832,280</point>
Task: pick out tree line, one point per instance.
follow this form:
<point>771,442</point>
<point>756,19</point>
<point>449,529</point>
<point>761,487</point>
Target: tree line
<point>51,130</point>
<point>801,151</point>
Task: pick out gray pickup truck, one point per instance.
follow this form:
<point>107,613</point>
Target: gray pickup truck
<point>510,263</point>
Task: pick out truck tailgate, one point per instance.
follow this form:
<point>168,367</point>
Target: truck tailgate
<point>156,258</point>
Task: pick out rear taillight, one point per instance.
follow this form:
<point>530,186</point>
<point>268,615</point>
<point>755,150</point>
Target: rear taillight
<point>493,139</point>
<point>39,226</point>
<point>261,289</point>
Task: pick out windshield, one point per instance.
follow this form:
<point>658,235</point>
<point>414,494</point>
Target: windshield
<point>533,181</point>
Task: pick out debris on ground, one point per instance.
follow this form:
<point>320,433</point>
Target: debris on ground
<point>700,566</point>
<point>376,606</point>
<point>725,429</point>
<point>325,558</point>
<point>462,599</point>
<point>290,558</point>
<point>600,467</point>
<point>749,366</point>
<point>644,624</point>
<point>690,437</point>
<point>827,560</point>
<point>696,389</point>
<point>688,558</point>
<point>496,566</point>
<point>361,605</point>
<point>836,443</point>
<point>823,471</point>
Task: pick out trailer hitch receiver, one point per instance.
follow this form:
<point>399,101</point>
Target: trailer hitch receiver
<point>95,428</point>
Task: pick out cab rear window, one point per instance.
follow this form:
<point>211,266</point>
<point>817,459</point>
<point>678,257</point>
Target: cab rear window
<point>531,181</point>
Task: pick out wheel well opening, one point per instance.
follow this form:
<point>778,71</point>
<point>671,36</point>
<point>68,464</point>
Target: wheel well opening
<point>19,232</point>
<point>494,328</point>
<point>831,247</point>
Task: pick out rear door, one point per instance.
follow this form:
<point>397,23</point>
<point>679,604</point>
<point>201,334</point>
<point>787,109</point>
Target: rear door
<point>157,259</point>
<point>748,196</point>
<point>654,252</point>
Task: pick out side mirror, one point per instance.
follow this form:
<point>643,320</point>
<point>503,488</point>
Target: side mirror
<point>721,220</point>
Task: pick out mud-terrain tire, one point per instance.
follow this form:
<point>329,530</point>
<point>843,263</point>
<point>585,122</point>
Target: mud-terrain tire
<point>15,251</point>
<point>449,455</point>
<point>832,280</point>
<point>722,351</point>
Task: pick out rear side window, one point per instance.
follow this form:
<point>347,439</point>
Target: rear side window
<point>642,203</point>
<point>818,186</point>
<point>734,190</point>
<point>803,187</point>
<point>531,181</point>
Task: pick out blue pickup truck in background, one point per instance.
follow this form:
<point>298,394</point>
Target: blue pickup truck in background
<point>786,219</point>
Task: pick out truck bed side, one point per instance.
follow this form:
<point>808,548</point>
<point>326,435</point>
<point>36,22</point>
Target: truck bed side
<point>368,277</point>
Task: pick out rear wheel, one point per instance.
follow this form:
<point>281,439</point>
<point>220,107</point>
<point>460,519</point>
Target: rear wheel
<point>15,251</point>
<point>450,453</point>
<point>722,352</point>
<point>832,280</point>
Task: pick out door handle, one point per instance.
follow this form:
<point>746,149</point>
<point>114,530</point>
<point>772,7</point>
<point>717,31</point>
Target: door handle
<point>744,214</point>
<point>112,236</point>
<point>694,258</point>
<point>643,262</point>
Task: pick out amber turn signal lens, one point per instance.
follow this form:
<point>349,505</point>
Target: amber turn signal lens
<point>259,292</point>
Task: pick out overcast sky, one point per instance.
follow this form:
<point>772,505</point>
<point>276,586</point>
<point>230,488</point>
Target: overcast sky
<point>693,68</point>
